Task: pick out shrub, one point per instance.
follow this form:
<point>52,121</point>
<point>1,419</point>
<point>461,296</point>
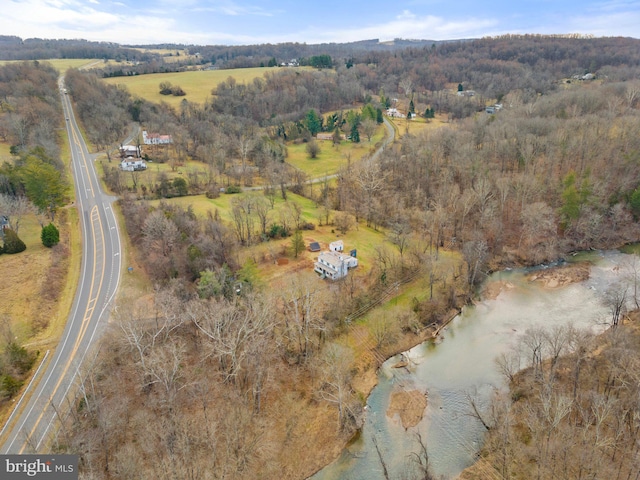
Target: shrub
<point>177,91</point>
<point>180,186</point>
<point>19,358</point>
<point>308,226</point>
<point>12,243</point>
<point>9,386</point>
<point>233,189</point>
<point>50,235</point>
<point>277,231</point>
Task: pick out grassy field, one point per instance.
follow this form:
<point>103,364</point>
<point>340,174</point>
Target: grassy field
<point>197,84</point>
<point>417,125</point>
<point>331,158</point>
<point>63,64</point>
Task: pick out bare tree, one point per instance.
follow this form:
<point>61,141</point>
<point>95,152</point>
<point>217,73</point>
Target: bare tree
<point>335,376</point>
<point>369,127</point>
<point>14,208</point>
<point>616,301</point>
<point>303,301</point>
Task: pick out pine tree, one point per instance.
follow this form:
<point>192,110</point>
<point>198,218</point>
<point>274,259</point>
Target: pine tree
<point>12,243</point>
<point>355,134</point>
<point>297,243</point>
<point>50,235</point>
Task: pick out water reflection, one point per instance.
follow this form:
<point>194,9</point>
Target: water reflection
<point>462,363</point>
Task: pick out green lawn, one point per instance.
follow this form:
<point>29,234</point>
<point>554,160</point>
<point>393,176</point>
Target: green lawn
<point>197,84</point>
<point>331,159</point>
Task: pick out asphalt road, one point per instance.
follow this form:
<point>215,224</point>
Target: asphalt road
<point>30,427</point>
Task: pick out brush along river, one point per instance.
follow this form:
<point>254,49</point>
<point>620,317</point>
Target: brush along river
<point>461,364</point>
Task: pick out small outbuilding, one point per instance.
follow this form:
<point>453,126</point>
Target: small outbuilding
<point>314,247</point>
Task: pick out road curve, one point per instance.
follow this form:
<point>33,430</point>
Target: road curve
<point>29,427</point>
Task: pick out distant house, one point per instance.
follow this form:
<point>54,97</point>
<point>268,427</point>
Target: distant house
<point>156,138</point>
<point>130,151</point>
<point>394,113</point>
<point>130,165</point>
<point>493,108</point>
<point>292,63</point>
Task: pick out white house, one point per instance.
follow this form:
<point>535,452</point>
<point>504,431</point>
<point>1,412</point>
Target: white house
<point>155,138</point>
<point>130,165</point>
<point>333,264</point>
<point>394,113</point>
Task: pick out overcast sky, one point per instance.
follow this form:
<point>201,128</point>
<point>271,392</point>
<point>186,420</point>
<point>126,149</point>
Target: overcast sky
<point>232,22</point>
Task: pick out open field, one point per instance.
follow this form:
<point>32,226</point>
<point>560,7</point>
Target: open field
<point>62,64</point>
<point>197,84</point>
<point>331,158</point>
<point>25,289</point>
<point>417,125</point>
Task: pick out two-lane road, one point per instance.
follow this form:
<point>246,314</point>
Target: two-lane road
<point>28,429</point>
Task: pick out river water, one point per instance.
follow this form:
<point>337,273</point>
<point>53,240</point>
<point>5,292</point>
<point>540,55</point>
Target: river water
<point>462,363</point>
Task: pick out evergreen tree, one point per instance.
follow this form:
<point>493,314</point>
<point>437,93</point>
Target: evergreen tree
<point>460,88</point>
<point>313,122</point>
<point>50,235</point>
<point>12,243</point>
<point>355,134</point>
<point>570,199</point>
<point>297,243</point>
<point>379,117</point>
<point>368,112</point>
<point>634,202</point>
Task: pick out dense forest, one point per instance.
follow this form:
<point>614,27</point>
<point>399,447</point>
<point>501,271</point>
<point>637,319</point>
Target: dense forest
<point>224,377</point>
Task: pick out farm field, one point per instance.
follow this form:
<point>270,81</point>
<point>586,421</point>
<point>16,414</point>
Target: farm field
<point>62,64</point>
<point>197,84</point>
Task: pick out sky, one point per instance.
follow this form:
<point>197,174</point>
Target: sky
<point>241,22</point>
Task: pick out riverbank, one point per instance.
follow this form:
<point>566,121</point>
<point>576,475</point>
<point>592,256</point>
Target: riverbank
<point>553,277</point>
<point>595,411</point>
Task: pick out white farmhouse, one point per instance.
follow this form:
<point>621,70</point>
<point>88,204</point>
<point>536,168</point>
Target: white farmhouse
<point>334,265</point>
<point>156,138</point>
<point>131,165</point>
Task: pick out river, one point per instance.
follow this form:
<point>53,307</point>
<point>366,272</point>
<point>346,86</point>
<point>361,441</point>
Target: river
<point>461,362</point>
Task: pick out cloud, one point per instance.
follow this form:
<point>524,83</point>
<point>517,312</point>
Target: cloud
<point>405,25</point>
<point>623,24</point>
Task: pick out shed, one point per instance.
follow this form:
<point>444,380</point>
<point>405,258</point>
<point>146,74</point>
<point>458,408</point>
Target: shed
<point>314,247</point>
